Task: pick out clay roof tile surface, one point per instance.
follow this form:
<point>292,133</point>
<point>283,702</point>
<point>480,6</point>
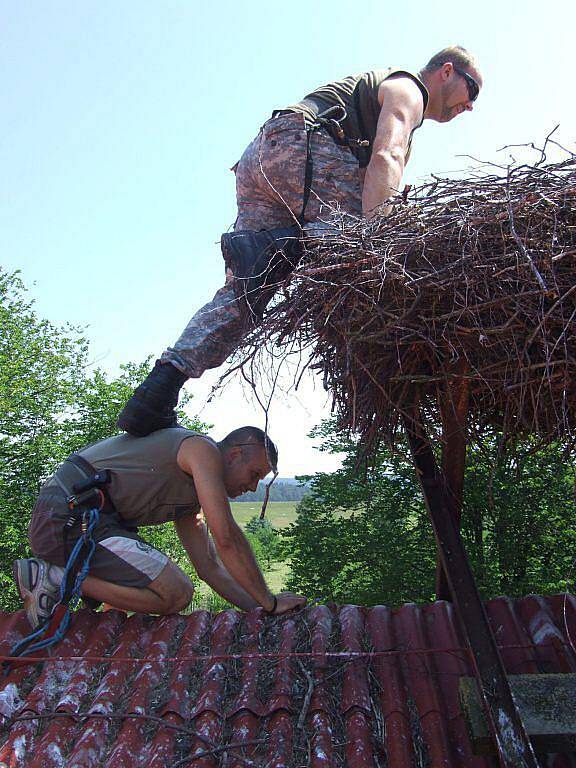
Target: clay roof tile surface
<point>327,687</point>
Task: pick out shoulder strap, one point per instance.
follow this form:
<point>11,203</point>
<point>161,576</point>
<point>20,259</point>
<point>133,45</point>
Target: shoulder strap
<point>365,150</point>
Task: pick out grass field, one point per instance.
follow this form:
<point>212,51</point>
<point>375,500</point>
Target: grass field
<point>280,513</point>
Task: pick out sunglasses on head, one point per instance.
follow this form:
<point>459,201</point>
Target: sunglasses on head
<point>471,84</point>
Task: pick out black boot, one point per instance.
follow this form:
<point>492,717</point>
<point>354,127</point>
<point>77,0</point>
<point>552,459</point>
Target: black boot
<point>151,407</point>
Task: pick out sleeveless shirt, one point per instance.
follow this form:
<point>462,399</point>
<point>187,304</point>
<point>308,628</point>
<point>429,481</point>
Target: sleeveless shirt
<point>147,486</point>
<point>357,95</point>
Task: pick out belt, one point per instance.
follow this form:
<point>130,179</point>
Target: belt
<point>82,484</point>
<point>329,120</point>
<point>330,126</point>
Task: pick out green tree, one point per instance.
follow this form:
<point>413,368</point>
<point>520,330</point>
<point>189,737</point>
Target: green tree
<point>519,520</point>
<point>363,535</point>
<point>263,534</point>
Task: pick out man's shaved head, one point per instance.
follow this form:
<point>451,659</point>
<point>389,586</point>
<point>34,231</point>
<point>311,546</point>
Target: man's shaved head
<point>247,436</point>
<point>460,58</point>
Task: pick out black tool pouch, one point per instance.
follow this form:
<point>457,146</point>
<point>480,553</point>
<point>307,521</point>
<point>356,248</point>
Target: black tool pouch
<point>87,492</point>
<point>260,261</point>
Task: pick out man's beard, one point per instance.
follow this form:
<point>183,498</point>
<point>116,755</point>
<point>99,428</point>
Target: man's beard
<point>447,112</point>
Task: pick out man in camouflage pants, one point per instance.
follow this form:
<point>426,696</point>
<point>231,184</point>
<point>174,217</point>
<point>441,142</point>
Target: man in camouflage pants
<point>343,147</point>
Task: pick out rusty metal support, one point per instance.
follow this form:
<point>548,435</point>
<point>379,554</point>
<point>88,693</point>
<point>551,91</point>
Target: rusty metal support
<point>512,743</point>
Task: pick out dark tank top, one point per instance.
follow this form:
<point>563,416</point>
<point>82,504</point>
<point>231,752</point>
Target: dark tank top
<point>357,95</point>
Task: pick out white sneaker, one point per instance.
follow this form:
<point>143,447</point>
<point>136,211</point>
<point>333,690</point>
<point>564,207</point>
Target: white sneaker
<point>39,585</point>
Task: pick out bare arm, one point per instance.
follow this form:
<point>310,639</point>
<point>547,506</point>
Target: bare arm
<point>193,534</point>
<point>401,111</point>
<point>203,461</point>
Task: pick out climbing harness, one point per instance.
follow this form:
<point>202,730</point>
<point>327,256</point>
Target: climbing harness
<point>329,120</point>
<point>86,503</point>
<point>261,260</point>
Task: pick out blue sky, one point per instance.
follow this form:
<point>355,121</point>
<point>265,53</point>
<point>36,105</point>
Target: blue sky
<point>120,121</point>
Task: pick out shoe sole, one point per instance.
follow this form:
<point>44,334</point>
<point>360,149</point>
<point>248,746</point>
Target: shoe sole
<point>19,575</point>
<point>18,578</point>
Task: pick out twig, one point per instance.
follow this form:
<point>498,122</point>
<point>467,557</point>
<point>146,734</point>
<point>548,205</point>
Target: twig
<point>522,248</point>
<point>216,750</point>
<point>307,697</point>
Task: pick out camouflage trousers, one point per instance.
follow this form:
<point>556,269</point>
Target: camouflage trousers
<point>270,191</point>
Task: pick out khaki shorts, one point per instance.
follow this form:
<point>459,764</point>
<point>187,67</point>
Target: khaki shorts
<point>121,557</point>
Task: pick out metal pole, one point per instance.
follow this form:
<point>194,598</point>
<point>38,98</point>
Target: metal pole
<point>512,742</point>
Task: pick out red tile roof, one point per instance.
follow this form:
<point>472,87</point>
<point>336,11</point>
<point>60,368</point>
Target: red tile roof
<point>341,686</point>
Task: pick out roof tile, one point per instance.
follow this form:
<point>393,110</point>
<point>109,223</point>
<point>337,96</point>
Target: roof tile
<point>327,687</point>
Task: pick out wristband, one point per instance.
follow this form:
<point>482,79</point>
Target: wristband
<point>274,606</point>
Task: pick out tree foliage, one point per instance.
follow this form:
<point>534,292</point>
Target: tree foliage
<point>519,520</point>
<point>265,541</point>
<point>363,535</point>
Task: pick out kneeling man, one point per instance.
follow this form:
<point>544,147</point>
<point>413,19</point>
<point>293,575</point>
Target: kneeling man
<point>173,475</point>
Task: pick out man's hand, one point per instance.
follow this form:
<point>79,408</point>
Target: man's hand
<point>288,600</point>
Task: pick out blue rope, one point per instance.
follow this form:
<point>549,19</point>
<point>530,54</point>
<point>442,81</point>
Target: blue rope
<point>93,516</point>
<point>27,646</point>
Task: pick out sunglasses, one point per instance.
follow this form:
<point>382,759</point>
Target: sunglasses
<point>471,84</point>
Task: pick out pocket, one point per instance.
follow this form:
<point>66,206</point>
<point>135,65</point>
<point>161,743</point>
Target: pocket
<point>46,530</point>
<point>335,181</point>
<point>281,165</point>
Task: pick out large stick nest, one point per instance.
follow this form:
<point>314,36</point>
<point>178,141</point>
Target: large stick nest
<point>472,277</point>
